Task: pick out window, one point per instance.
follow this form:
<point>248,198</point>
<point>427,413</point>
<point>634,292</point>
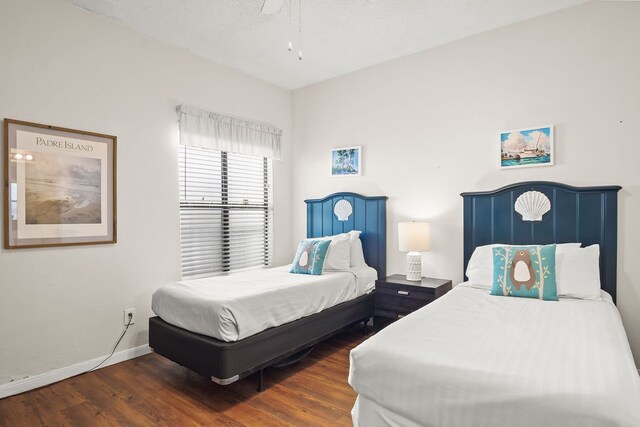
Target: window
<point>225,211</point>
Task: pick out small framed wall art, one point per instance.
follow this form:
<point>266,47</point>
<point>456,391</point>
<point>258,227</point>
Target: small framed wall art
<point>346,161</point>
<point>529,147</point>
<point>59,186</point>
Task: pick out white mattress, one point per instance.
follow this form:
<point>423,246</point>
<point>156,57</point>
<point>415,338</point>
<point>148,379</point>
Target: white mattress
<point>237,306</point>
<point>472,359</point>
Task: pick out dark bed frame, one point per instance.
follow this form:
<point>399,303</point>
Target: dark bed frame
<point>578,214</point>
<point>226,362</point>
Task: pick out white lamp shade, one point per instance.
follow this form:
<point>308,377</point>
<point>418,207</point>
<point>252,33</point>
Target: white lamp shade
<point>413,236</point>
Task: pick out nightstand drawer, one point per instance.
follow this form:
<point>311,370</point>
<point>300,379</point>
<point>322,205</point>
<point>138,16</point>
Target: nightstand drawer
<point>401,303</point>
<point>405,291</point>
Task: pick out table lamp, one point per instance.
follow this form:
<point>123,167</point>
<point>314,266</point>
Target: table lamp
<point>413,237</point>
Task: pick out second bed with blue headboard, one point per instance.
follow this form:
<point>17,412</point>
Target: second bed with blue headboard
<point>228,361</point>
<point>485,358</point>
<point>588,215</point>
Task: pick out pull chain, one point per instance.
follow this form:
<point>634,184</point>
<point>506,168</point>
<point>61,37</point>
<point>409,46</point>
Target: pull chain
<point>300,30</point>
<point>290,45</point>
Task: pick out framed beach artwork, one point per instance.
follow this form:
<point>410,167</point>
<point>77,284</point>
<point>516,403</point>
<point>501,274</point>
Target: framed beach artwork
<point>346,161</point>
<point>526,147</point>
<point>60,186</point>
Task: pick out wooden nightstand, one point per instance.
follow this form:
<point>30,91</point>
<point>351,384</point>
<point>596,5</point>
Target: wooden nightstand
<point>396,297</point>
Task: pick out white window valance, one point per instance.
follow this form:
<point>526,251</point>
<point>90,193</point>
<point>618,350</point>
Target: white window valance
<point>204,129</point>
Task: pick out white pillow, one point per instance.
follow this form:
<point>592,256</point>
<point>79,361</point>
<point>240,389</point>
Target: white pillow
<point>357,254</point>
<point>480,267</point>
<point>339,253</point>
<point>578,272</point>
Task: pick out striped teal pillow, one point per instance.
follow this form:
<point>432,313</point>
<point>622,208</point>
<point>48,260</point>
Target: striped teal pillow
<point>525,271</point>
<point>310,256</point>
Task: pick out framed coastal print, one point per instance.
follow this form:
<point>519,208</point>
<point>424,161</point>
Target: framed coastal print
<point>59,186</point>
<point>526,147</point>
<point>346,161</point>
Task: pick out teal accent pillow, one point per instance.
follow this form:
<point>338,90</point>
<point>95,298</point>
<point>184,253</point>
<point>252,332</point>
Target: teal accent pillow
<point>525,271</point>
<point>310,256</point>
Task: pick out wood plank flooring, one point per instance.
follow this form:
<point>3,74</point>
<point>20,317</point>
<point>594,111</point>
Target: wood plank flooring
<point>152,390</point>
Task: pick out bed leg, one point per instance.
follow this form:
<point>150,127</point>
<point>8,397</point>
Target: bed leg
<point>261,380</point>
<point>365,327</point>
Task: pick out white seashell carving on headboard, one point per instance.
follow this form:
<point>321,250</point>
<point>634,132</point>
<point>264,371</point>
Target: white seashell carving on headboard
<point>343,210</point>
<point>532,205</point>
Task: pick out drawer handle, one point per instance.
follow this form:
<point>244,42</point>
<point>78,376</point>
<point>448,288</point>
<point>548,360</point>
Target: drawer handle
<point>403,292</point>
<point>400,316</point>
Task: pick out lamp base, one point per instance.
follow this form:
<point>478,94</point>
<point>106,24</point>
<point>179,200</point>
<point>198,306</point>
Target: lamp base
<point>414,266</point>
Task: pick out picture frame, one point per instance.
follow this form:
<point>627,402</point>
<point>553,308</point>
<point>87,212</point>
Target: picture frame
<point>527,147</point>
<point>59,186</point>
<point>346,161</point>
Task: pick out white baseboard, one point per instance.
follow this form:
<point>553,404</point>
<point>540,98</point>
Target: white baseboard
<point>29,383</point>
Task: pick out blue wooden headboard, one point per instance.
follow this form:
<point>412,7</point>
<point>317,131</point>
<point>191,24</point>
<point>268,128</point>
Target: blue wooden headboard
<point>578,214</point>
<point>369,215</point>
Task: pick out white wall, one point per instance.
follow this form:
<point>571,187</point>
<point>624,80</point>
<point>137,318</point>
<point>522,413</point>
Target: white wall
<point>429,125</point>
<point>63,66</point>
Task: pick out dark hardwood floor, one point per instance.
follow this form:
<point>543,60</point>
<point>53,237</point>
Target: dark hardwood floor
<point>152,390</point>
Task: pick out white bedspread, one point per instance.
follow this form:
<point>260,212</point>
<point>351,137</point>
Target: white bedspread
<point>237,306</point>
<point>472,359</point>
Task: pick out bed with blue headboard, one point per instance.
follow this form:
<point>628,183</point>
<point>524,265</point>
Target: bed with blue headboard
<point>226,362</point>
<point>476,358</point>
<point>588,215</point>
<point>368,215</point>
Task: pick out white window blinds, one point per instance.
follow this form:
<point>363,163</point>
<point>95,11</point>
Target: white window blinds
<point>225,211</point>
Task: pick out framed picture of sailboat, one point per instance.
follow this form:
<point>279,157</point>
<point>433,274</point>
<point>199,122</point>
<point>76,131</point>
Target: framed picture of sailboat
<point>528,147</point>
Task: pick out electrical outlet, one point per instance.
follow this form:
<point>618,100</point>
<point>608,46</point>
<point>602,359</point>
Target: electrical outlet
<point>128,311</point>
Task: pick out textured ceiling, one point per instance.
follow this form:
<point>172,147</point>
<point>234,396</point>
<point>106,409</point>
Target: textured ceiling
<point>338,36</point>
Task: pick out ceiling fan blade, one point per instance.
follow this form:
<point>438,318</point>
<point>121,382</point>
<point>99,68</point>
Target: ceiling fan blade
<point>272,6</point>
